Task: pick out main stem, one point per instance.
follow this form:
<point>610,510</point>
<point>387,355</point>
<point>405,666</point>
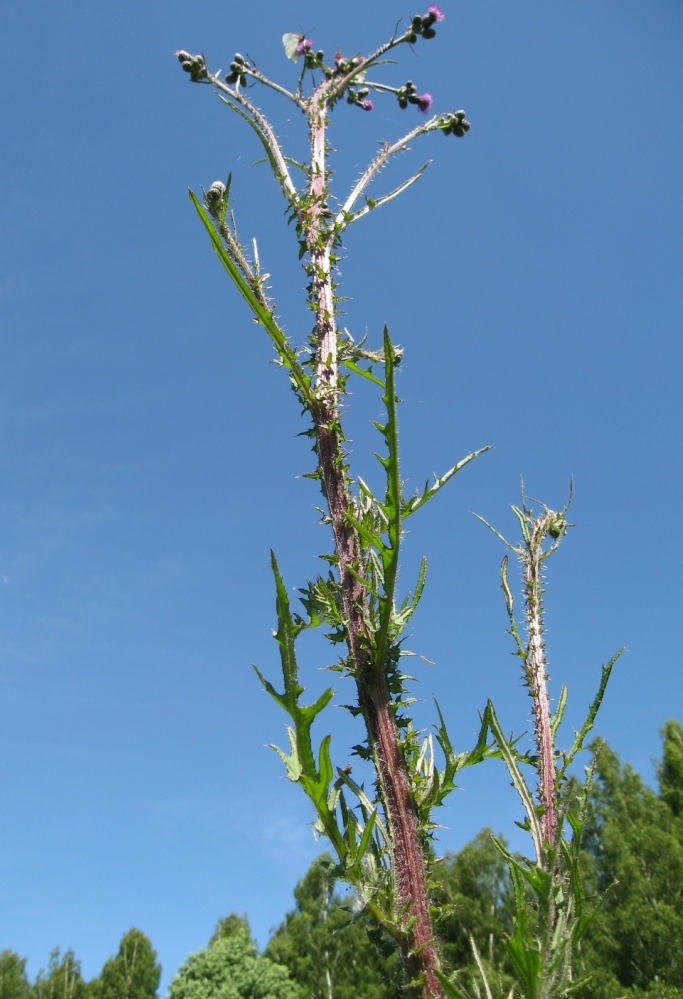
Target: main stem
<point>407,858</point>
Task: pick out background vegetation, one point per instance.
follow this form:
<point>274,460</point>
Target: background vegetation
<point>323,950</point>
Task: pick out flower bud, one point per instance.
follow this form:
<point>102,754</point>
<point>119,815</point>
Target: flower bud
<point>214,197</point>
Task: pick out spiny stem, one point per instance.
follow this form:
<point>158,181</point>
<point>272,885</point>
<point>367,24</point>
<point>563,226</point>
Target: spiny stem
<point>532,556</point>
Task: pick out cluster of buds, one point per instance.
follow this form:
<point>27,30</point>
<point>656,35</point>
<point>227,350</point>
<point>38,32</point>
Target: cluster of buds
<point>408,95</point>
<point>236,74</point>
<point>314,60</point>
<point>343,66</point>
<point>194,65</point>
<point>423,25</point>
<point>454,124</point>
<point>360,98</point>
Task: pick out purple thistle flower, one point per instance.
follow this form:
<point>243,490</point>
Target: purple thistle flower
<point>366,105</point>
<point>436,12</point>
<point>425,102</point>
<point>304,45</point>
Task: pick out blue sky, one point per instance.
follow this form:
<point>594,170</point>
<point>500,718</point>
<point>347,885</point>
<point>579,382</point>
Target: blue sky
<point>149,450</point>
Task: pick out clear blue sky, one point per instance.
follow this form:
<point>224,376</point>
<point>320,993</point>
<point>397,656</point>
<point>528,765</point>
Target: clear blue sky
<point>149,451</point>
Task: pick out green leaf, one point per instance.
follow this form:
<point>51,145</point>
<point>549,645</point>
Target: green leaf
<point>559,712</point>
<point>520,785</point>
<point>286,354</point>
<point>391,507</point>
<point>577,745</point>
<point>363,372</point>
<point>372,203</point>
<point>415,502</point>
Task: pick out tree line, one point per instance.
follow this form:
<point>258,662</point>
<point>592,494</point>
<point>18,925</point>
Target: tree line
<point>326,949</point>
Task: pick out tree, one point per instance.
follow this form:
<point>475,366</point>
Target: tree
<point>636,846</point>
<point>62,980</point>
<point>479,905</point>
<point>671,769</point>
<point>327,951</point>
<point>228,926</point>
<point>231,968</point>
<point>133,974</point>
<point>14,983</point>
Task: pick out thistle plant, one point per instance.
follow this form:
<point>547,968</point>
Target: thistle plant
<point>552,911</point>
<point>382,837</point>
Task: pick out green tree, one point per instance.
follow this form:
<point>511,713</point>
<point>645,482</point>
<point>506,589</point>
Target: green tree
<point>327,952</point>
<point>231,968</point>
<point>635,842</point>
<point>133,974</point>
<point>62,980</point>
<point>229,926</point>
<point>671,770</point>
<point>479,905</point>
<point>14,983</point>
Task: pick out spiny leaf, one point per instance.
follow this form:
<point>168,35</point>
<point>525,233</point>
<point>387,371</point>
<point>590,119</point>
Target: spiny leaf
<point>392,507</point>
<point>510,758</point>
<point>372,203</point>
<point>363,372</point>
<point>415,502</point>
<point>286,354</point>
<point>577,745</point>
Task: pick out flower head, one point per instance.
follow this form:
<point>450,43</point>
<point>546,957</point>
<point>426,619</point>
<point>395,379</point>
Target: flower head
<point>425,102</point>
<point>435,12</point>
<point>304,45</point>
<point>366,105</point>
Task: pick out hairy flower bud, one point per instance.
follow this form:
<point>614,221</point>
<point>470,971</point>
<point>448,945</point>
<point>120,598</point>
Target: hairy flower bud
<point>213,198</point>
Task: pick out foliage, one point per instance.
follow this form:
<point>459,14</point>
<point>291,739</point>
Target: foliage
<point>635,841</point>
<point>326,947</point>
<point>229,926</point>
<point>132,974</point>
<point>231,968</point>
<point>477,905</point>
<point>14,983</point>
<point>62,980</point>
